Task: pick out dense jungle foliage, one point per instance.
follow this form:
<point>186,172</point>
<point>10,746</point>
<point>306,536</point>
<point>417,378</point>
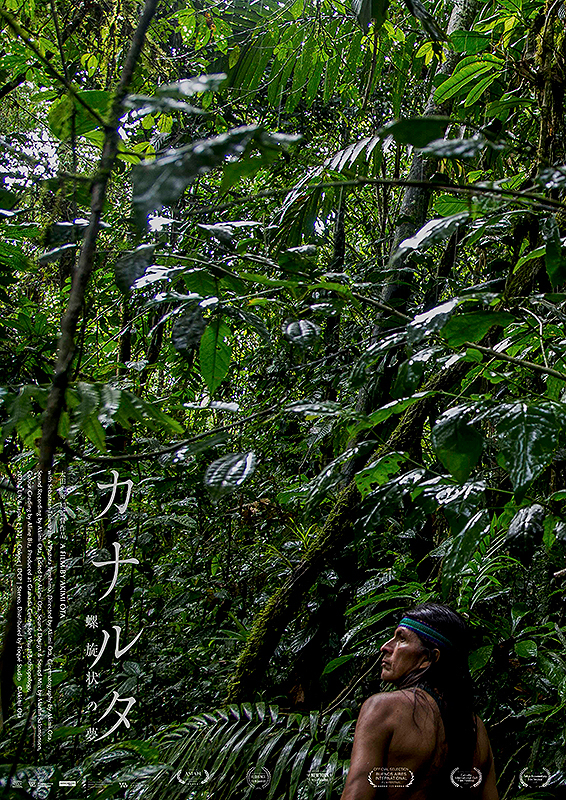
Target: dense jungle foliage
<point>283,305</point>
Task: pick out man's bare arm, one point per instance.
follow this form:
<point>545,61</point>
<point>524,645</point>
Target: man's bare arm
<point>374,730</point>
<point>489,787</point>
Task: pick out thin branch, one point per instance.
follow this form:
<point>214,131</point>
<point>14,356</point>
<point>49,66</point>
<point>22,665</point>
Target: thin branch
<point>382,306</point>
<point>360,182</point>
<point>50,68</point>
<point>489,351</point>
<point>85,266</point>
<point>69,30</point>
<point>135,457</point>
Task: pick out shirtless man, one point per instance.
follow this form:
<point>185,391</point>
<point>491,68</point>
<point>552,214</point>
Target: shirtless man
<point>424,740</point>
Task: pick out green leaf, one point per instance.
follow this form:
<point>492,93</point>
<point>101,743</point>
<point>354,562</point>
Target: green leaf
<point>386,411</point>
<point>469,69</point>
<point>528,435</point>
<point>434,232</point>
<point>448,204</point>
<point>162,181</point>
<point>378,472</point>
<point>469,41</point>
<point>480,88</point>
<point>299,259</point>
<point>366,10</point>
<point>314,408</point>
<point>214,353</point>
<point>132,265</point>
<point>302,332</point>
<point>60,117</point>
<point>457,444</point>
<point>526,649</point>
<point>527,524</point>
<point>539,251</point>
<point>408,377</point>
<point>67,731</point>
<point>458,148</point>
<point>235,170</point>
<point>479,658</point>
<point>187,332</point>
<point>430,321</point>
<point>13,258</point>
<point>95,432</point>
<point>554,257</point>
<point>190,86</point>
<point>8,200</point>
<point>462,548</point>
<point>228,473</point>
<point>321,485</point>
<point>418,131</point>
<point>430,25</point>
<point>473,327</point>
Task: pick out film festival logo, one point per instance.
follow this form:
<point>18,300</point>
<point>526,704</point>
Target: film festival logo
<point>466,778</point>
<point>534,780</point>
<point>193,777</point>
<point>258,777</point>
<point>391,777</point>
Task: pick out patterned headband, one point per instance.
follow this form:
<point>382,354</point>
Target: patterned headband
<point>426,631</point>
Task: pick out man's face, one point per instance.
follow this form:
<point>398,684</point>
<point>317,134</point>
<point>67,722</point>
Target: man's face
<point>402,654</point>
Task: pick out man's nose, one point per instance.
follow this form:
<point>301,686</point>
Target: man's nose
<point>387,647</point>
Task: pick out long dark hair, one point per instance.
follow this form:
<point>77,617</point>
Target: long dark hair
<point>448,679</point>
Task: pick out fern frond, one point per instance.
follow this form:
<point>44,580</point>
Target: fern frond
<point>222,747</point>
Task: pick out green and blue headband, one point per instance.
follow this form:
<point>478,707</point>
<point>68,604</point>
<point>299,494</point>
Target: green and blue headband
<point>426,631</point>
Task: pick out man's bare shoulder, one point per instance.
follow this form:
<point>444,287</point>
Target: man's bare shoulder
<point>386,706</point>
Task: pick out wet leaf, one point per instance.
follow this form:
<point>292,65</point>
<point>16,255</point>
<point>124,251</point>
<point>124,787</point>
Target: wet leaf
<point>470,41</point>
<point>526,649</point>
<point>132,265</point>
<point>56,253</point>
<point>552,177</point>
<point>408,377</point>
<point>66,232</point>
<point>187,331</point>
<point>366,10</point>
<point>473,327</point>
<point>430,25</point>
<point>228,473</point>
<point>459,148</point>
<point>225,231</point>
<point>313,408</point>
<point>430,321</point>
<point>144,105</point>
<point>527,524</point>
<point>299,259</point>
<point>457,443</point>
<point>379,472</point>
<point>463,548</point>
<point>554,256</point>
<point>434,232</point>
<point>162,181</point>
<point>215,353</point>
<point>528,435</point>
<point>190,86</point>
<point>302,332</point>
<point>479,658</point>
<point>418,131</point>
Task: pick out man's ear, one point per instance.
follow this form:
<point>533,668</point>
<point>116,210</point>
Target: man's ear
<point>435,655</point>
